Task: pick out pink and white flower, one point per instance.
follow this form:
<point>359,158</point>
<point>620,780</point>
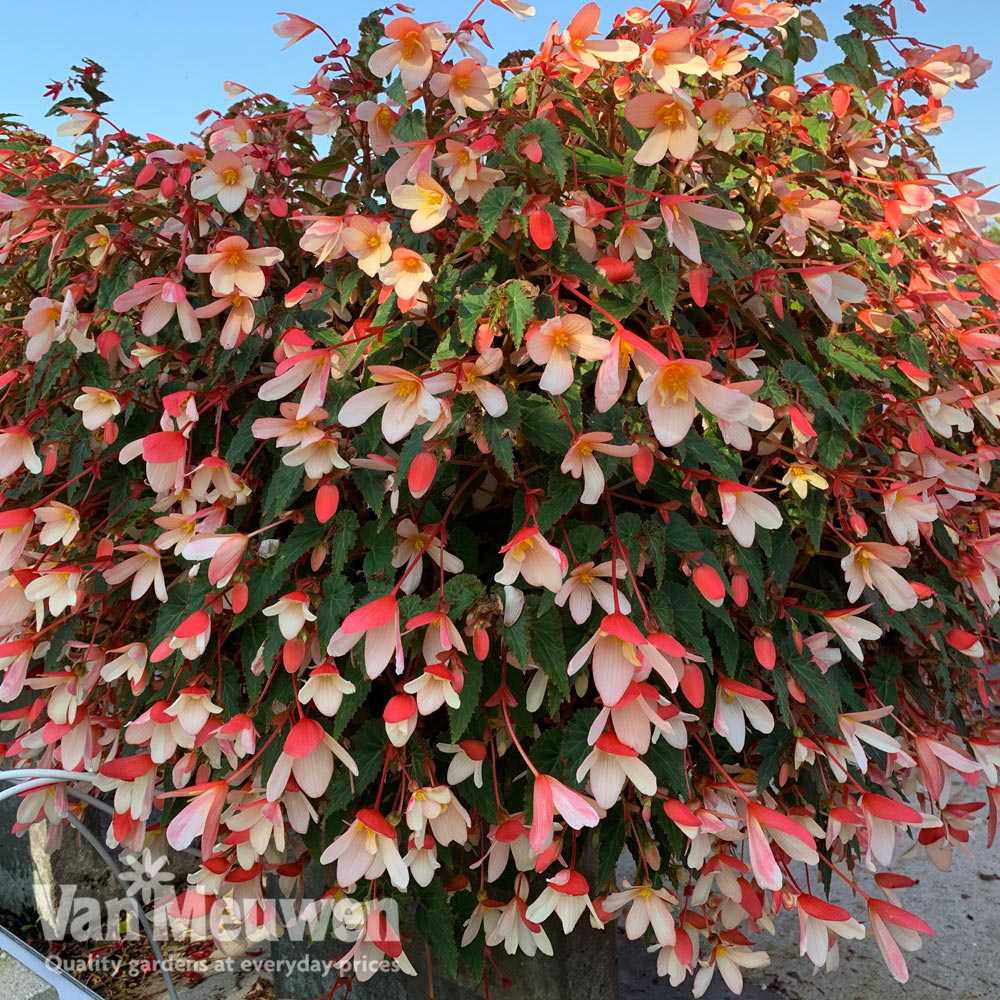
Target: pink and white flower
<point>743,509</point>
<point>553,345</point>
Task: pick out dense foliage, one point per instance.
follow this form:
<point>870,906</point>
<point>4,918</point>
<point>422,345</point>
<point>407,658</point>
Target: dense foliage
<point>470,460</point>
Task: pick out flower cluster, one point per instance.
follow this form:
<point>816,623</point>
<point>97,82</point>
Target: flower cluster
<point>483,459</point>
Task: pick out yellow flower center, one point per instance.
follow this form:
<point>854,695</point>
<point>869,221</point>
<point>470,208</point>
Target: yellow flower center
<point>411,45</point>
<point>412,264</point>
<point>672,116</point>
<point>561,339</point>
<point>522,549</point>
<point>721,117</point>
<point>230,177</point>
<point>406,389</point>
<point>384,118</point>
<point>374,242</point>
<point>432,198</point>
<point>587,578</point>
<point>673,384</point>
<point>586,449</point>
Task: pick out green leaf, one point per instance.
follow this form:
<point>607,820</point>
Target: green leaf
<point>471,309</point>
<point>548,650</point>
<point>469,695</point>
<point>561,496</point>
<point>589,162</point>
<point>334,608</point>
<point>499,433</point>
<point>680,536</point>
<point>805,378</point>
<point>667,763</point>
<point>492,207</point>
<point>345,531</point>
<point>855,406</point>
<point>551,142</point>
<point>520,297</point>
<point>814,515</point>
<point>661,285</point>
<point>543,428</point>
<point>436,922</point>
<point>610,844</point>
<point>284,487</point>
<point>817,688</point>
<point>854,48</point>
<point>833,440</point>
<point>885,678</point>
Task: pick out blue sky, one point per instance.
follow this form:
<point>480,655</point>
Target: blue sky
<point>165,67</point>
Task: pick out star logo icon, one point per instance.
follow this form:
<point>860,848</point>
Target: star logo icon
<point>146,876</point>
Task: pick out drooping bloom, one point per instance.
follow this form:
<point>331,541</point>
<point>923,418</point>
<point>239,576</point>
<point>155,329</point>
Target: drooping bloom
<point>472,379</point>
<point>585,51</point>
<point>428,201</point>
<point>819,921</point>
<point>98,406</point>
<point>587,583</point>
<point>61,523</point>
<point>412,546</point>
<point>723,118</point>
<point>144,568</point>
<point>228,177</point>
<point>294,28</point>
<point>800,477</point>
<point>411,51</point>
<point>531,557</point>
<point>743,509</point>
<point>468,85</point>
<point>408,400</point>
<point>164,299</point>
<point>614,652</point>
<point>669,57</point>
<point>378,622</point>
<point>681,212</point>
<point>325,688</point>
<point>234,267</point>
<point>674,128</point>
<point>852,629</point>
<point>832,288</point>
<point>370,241</point>
<point>551,796</point>
<point>567,895</point>
<point>307,756</point>
<point>367,849</point>
<point>671,392</point>
<point>793,838</point>
<point>608,765</point>
<point>404,274</point>
<point>553,345</point>
<point>905,512</point>
<point>896,930</point>
<point>735,705</point>
<point>580,461</point>
<point>871,564</point>
<point>292,612</point>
